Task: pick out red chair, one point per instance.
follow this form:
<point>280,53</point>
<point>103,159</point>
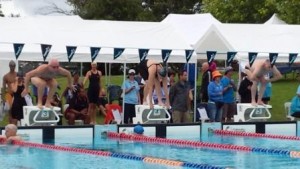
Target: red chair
<point>113,114</point>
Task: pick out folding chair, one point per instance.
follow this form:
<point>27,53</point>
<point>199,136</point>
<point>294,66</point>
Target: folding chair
<point>287,108</point>
<point>203,114</point>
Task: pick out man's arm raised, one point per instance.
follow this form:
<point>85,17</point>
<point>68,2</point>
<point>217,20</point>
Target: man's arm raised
<point>67,73</point>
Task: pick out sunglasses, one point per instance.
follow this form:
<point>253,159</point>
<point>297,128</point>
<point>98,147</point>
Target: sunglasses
<point>131,74</point>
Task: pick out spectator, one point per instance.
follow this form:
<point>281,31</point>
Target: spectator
<point>102,101</point>
<point>6,91</point>
<point>206,78</point>
<point>295,104</point>
<point>67,93</point>
<point>215,95</point>
<point>229,107</point>
<point>78,108</point>
<point>141,83</point>
<point>10,134</point>
<point>94,77</point>
<point>245,89</point>
<point>131,96</point>
<point>18,100</point>
<point>180,99</point>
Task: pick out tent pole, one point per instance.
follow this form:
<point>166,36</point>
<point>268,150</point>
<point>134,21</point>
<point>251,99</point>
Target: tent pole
<point>123,87</point>
<point>195,92</point>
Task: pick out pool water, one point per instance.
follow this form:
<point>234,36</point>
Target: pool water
<point>31,158</point>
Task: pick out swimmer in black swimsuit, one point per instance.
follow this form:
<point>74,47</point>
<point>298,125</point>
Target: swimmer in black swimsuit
<point>153,72</point>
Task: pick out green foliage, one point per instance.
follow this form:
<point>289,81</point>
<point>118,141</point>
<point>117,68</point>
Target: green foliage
<point>288,10</point>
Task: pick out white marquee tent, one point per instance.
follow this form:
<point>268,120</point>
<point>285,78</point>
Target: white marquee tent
<point>62,31</point>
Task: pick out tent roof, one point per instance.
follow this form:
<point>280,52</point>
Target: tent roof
<point>191,26</point>
<point>62,31</point>
<point>274,20</point>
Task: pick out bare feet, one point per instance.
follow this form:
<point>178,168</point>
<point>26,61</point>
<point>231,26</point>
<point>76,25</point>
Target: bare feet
<point>48,106</point>
<point>40,106</point>
<point>253,103</point>
<point>261,103</point>
<point>161,104</point>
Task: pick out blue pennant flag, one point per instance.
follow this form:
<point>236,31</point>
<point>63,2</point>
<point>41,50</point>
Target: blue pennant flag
<point>94,53</point>
<point>45,50</point>
<point>188,55</point>
<point>230,57</point>
<point>211,56</point>
<point>143,53</point>
<point>18,47</point>
<point>165,53</point>
<point>252,57</point>
<point>292,58</point>
<point>71,52</point>
<point>118,52</point>
<point>273,57</point>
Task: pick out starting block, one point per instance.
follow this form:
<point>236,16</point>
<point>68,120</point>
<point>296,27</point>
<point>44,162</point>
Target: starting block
<point>248,112</point>
<point>145,115</point>
<point>34,116</point>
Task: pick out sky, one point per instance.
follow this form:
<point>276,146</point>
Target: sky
<point>31,7</point>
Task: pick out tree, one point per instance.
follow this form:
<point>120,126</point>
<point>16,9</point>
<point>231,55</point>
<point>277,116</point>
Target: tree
<point>131,10</point>
<point>240,11</point>
<point>288,10</point>
<point>1,13</point>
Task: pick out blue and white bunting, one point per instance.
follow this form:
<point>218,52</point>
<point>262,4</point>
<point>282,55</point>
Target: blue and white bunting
<point>143,53</point>
<point>165,53</point>
<point>273,57</point>
<point>292,58</point>
<point>71,52</point>
<point>188,55</point>
<point>211,56</point>
<point>94,52</point>
<point>230,57</point>
<point>118,52</point>
<point>45,50</point>
<point>18,47</point>
<point>252,56</point>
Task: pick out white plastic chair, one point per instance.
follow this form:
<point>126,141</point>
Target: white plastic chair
<point>287,108</point>
<point>203,114</point>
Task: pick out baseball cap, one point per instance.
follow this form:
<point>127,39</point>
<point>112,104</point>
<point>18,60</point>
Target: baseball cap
<point>163,72</point>
<point>131,71</point>
<point>228,69</point>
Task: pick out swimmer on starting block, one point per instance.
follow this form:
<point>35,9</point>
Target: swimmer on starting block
<point>44,76</point>
<point>256,74</point>
<point>152,72</point>
<point>10,134</point>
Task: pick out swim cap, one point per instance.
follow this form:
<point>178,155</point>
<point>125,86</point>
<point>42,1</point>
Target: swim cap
<point>138,129</point>
<point>163,72</point>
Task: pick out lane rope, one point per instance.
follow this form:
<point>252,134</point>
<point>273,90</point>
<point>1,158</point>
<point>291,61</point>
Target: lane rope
<point>145,159</point>
<point>199,144</point>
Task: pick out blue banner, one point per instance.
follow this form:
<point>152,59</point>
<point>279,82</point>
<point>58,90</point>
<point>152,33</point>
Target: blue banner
<point>143,53</point>
<point>118,52</point>
<point>252,57</point>
<point>273,57</point>
<point>292,58</point>
<point>165,53</point>
<point>71,52</point>
<point>45,50</point>
<point>188,55</point>
<point>230,57</point>
<point>211,56</point>
<point>18,47</point>
<point>94,53</point>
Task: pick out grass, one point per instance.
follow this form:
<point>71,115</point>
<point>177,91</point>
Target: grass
<point>282,91</point>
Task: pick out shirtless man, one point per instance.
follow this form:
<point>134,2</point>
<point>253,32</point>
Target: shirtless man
<point>256,74</point>
<point>10,134</point>
<point>152,72</point>
<point>44,76</point>
<point>8,80</point>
